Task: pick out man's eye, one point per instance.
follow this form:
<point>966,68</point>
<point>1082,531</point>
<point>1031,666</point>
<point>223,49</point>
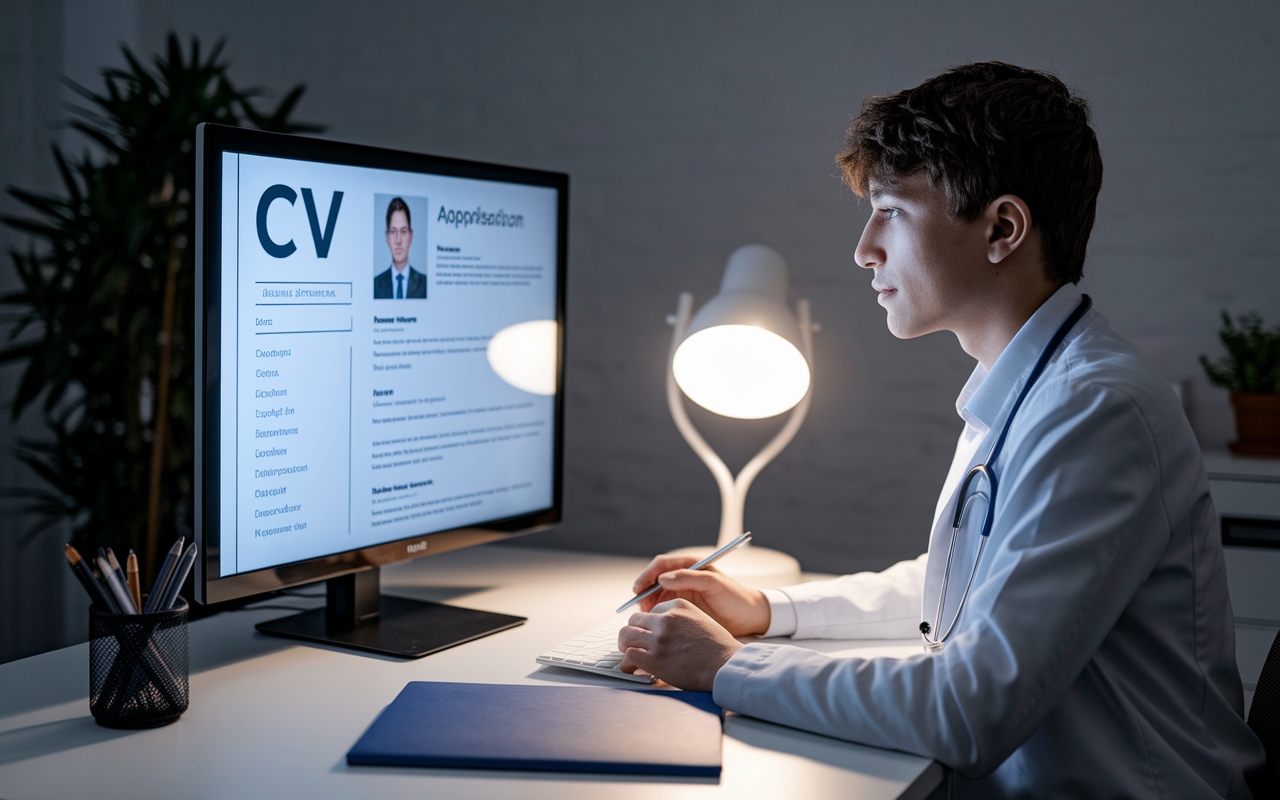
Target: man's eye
<point>890,212</point>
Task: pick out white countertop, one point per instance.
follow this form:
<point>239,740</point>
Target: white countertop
<point>1225,465</point>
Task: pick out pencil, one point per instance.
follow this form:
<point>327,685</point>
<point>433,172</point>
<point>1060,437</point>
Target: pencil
<point>90,584</point>
<point>135,585</point>
<point>179,577</point>
<point>120,594</point>
<point>115,566</point>
<point>162,578</point>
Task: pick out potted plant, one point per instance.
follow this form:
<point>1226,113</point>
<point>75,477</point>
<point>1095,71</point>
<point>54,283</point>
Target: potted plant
<point>1251,372</point>
<point>105,312</point>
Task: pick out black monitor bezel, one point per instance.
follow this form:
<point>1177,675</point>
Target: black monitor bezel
<point>211,142</point>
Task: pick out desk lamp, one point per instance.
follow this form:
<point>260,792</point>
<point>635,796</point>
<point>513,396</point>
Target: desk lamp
<point>743,355</point>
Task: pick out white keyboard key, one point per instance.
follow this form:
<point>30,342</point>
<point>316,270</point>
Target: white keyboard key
<point>595,651</point>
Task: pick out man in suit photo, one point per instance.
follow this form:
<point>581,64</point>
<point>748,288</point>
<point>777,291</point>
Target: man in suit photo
<point>399,281</point>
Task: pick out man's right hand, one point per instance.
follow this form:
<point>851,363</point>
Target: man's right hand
<point>742,611</point>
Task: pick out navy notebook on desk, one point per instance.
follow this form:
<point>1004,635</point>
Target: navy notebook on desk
<point>555,728</point>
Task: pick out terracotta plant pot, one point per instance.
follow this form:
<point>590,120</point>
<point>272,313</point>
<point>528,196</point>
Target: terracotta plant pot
<point>1257,424</point>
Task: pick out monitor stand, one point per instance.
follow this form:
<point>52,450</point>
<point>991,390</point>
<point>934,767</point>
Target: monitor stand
<point>359,617</point>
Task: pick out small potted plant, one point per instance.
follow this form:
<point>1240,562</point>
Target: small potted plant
<point>1251,372</point>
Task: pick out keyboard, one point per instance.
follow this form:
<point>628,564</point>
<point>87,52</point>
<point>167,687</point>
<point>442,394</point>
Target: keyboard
<point>595,651</point>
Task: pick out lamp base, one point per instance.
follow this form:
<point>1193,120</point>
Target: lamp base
<point>755,567</point>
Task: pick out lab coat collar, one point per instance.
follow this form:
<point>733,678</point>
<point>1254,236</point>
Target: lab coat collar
<point>985,394</point>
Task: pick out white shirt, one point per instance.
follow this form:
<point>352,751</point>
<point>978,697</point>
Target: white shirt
<point>1095,656</point>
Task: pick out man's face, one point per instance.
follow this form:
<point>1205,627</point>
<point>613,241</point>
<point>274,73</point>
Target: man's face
<point>399,237</point>
<point>930,268</point>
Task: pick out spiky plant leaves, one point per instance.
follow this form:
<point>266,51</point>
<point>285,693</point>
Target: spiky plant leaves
<point>1252,363</point>
<point>90,327</point>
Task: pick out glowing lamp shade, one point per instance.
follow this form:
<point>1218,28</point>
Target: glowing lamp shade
<point>524,355</point>
<point>741,371</point>
<point>746,355</point>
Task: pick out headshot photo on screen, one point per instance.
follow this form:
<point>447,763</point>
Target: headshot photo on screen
<point>396,249</point>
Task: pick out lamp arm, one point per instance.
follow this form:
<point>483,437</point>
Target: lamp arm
<point>724,478</point>
<point>784,436</point>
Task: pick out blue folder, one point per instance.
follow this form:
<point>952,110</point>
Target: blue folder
<point>554,728</point>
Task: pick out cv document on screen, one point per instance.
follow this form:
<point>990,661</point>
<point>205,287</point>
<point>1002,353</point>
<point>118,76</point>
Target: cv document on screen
<point>357,395</point>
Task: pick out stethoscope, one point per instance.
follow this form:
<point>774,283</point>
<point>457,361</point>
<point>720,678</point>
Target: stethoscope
<point>934,644</point>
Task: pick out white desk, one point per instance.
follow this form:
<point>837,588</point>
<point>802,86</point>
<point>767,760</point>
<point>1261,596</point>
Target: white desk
<point>270,718</point>
<point>1249,488</point>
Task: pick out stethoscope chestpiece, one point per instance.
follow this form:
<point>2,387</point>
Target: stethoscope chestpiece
<point>930,646</point>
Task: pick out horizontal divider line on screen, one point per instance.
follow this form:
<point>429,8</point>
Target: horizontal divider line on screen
<point>281,333</point>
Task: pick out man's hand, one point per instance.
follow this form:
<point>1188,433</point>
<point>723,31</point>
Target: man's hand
<point>741,611</point>
<point>678,643</point>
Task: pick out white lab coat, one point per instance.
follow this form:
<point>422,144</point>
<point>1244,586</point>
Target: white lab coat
<point>1095,656</point>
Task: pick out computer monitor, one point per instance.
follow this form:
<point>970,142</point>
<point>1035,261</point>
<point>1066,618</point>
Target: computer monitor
<point>381,372</point>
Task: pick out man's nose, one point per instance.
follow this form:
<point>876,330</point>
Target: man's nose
<point>868,254</point>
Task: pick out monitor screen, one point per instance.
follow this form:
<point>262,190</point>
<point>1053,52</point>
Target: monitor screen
<point>381,343</point>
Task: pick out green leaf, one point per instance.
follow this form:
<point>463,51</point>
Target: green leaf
<point>1252,363</point>
<point>93,273</point>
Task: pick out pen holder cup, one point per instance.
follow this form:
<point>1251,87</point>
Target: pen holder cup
<point>138,667</point>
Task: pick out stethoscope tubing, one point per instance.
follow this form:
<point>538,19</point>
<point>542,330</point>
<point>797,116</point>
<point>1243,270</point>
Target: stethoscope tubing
<point>934,643</point>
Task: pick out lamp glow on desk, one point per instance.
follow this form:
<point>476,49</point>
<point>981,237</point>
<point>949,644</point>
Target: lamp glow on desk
<point>743,355</point>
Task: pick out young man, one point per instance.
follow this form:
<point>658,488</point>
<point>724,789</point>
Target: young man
<point>400,281</point>
<point>1093,654</point>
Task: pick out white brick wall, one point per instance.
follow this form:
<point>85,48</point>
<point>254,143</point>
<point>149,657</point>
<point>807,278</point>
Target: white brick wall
<point>691,129</point>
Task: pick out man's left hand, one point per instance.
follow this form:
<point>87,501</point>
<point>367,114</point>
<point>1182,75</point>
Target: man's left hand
<point>678,643</point>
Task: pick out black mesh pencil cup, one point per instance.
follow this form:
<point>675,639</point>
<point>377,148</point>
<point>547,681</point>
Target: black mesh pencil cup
<point>138,667</point>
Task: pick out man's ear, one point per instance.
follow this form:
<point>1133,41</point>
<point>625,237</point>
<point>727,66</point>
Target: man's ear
<point>1008,223</point>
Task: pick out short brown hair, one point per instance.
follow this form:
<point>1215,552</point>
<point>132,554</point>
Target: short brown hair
<point>395,205</point>
<point>983,130</point>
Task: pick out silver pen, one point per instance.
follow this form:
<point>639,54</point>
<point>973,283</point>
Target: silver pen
<point>706,562</point>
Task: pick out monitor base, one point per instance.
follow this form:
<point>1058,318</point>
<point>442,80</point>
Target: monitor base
<point>398,627</point>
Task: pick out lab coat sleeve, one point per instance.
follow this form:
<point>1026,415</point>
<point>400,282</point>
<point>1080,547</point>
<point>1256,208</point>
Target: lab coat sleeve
<point>865,605</point>
<point>1079,527</point>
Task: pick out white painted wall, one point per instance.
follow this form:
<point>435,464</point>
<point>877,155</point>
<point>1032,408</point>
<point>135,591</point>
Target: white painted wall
<point>689,129</point>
